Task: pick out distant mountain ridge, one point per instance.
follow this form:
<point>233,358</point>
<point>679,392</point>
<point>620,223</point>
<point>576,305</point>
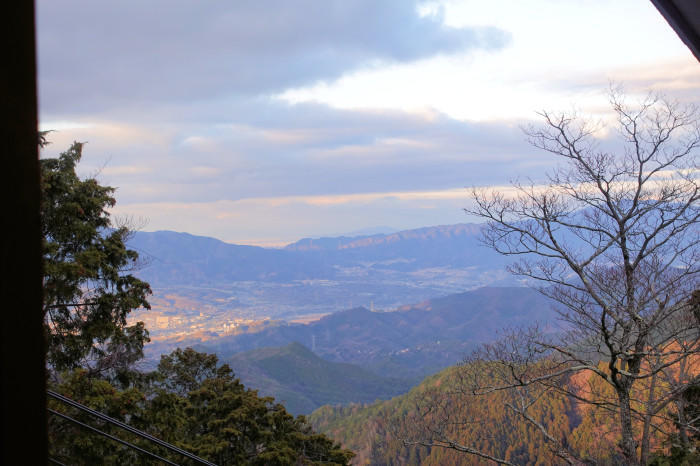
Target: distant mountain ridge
<point>181,258</point>
<point>418,234</point>
<point>409,343</point>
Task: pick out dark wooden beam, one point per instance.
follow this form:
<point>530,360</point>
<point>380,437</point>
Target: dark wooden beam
<point>23,389</point>
<point>684,17</point>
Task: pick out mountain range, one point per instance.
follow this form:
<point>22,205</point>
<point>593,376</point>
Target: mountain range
<point>352,353</point>
<point>409,343</point>
<point>180,258</point>
<point>316,275</point>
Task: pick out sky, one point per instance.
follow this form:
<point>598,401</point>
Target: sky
<point>263,122</point>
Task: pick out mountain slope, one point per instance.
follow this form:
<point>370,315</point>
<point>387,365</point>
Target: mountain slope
<point>485,422</point>
<point>375,432</point>
<point>408,343</point>
<point>302,381</point>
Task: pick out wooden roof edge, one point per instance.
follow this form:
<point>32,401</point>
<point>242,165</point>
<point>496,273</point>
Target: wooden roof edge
<point>684,18</point>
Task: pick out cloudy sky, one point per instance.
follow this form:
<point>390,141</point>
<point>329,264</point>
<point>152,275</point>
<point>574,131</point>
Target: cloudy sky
<point>265,121</point>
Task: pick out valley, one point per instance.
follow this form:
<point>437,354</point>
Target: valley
<point>204,288</point>
<point>362,318</point>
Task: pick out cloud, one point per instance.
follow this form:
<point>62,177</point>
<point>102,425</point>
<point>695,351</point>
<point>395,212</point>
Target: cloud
<point>361,198</point>
<point>99,56</point>
<point>276,221</point>
<point>130,170</point>
<point>256,120</point>
<point>204,171</point>
<point>302,150</point>
<point>683,83</point>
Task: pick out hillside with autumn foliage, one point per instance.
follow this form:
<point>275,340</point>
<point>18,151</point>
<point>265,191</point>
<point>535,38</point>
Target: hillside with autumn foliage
<point>389,432</point>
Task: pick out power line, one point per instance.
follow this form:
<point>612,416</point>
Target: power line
<point>127,427</point>
<point>111,437</point>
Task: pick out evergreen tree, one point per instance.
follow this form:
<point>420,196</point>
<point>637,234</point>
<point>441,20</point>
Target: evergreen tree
<point>211,415</point>
<point>88,287</point>
<point>229,424</point>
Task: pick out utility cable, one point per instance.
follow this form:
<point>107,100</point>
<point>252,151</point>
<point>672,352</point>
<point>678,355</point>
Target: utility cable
<point>127,427</point>
<point>112,437</point>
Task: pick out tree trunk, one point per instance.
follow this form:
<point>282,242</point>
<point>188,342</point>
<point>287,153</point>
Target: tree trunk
<point>627,443</point>
<point>682,423</point>
<point>646,432</point>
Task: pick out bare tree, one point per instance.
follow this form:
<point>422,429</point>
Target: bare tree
<point>612,237</point>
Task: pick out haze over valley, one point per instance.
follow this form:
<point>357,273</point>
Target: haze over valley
<point>206,288</point>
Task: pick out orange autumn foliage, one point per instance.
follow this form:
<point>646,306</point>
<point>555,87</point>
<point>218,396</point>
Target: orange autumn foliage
<point>652,398</point>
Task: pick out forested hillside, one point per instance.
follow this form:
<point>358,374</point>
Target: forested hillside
<point>376,432</point>
<point>302,381</point>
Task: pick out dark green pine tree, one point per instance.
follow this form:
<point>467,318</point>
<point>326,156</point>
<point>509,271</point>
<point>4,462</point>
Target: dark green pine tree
<point>223,421</point>
<point>88,286</point>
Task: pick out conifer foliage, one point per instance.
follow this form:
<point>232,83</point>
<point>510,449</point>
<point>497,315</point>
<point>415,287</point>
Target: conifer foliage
<point>195,404</point>
<point>88,287</point>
